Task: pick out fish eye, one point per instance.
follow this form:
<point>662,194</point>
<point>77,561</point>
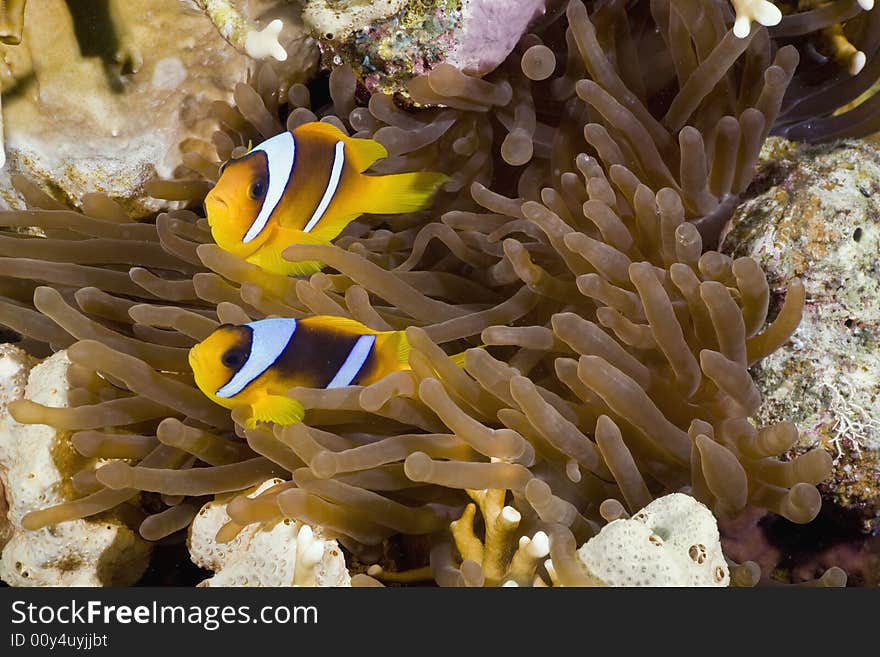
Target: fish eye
<point>234,358</point>
<point>257,189</point>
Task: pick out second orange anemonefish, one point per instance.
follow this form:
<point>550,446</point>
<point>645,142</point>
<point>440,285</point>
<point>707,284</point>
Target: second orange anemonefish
<point>304,187</point>
<point>254,365</point>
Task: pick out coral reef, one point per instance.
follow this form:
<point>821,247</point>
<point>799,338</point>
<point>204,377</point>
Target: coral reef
<point>570,254</point>
<point>286,553</point>
<point>816,218</point>
<point>390,42</point>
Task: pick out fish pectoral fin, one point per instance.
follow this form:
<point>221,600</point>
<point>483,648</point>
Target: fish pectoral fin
<point>270,258</point>
<point>278,409</point>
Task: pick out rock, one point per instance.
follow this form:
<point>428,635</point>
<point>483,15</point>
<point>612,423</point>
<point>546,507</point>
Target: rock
<point>673,541</point>
<point>286,553</point>
<point>15,365</point>
<point>388,42</point>
<point>101,99</point>
<point>37,462</point>
<point>814,215</point>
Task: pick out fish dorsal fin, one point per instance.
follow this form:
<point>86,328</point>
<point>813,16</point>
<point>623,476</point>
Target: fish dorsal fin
<point>341,324</point>
<point>361,153</point>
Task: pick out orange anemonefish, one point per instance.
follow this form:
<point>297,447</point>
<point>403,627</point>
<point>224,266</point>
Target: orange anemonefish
<point>255,364</point>
<point>304,187</point>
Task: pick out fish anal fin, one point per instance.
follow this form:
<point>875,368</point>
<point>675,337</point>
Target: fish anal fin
<point>278,409</point>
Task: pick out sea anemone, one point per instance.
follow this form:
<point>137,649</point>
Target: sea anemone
<point>607,352</point>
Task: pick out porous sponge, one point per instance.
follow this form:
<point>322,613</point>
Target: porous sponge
<point>673,541</point>
<point>38,461</point>
<point>285,553</point>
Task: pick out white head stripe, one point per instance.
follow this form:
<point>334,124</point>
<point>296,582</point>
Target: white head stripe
<point>269,339</point>
<point>355,361</point>
<point>332,186</point>
<point>280,153</point>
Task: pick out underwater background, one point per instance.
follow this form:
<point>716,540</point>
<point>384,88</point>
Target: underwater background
<point>640,310</point>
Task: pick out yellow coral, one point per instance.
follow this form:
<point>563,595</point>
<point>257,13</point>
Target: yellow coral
<point>504,558</point>
<point>835,42</point>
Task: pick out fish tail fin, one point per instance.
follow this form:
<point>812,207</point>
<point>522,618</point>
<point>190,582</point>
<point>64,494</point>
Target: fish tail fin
<point>402,192</point>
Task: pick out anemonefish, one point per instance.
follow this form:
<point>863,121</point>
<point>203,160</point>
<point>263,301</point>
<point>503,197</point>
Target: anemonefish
<point>256,364</point>
<point>305,186</point>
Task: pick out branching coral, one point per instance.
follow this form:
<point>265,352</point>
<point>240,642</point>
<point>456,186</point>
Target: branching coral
<point>504,556</point>
<point>240,33</point>
<point>615,352</point>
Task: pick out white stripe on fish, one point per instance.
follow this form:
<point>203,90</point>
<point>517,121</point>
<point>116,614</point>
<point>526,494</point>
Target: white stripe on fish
<point>269,339</point>
<point>280,153</point>
<point>355,361</point>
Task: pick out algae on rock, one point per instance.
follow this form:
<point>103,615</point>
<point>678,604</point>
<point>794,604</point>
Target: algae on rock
<point>814,214</point>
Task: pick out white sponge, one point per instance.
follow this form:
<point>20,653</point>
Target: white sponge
<point>673,541</point>
<point>286,553</point>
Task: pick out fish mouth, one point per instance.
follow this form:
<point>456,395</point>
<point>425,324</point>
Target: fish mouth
<point>216,203</point>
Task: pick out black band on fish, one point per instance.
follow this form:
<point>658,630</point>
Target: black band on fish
<point>332,186</point>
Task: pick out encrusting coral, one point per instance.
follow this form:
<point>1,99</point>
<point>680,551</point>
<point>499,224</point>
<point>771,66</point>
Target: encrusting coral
<point>607,352</point>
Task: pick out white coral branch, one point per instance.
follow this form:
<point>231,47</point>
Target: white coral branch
<point>759,11</point>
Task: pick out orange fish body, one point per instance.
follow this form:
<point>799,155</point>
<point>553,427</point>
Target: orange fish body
<point>304,187</point>
<point>256,364</point>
